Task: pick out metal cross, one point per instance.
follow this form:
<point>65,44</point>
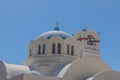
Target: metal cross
<point>57,24</point>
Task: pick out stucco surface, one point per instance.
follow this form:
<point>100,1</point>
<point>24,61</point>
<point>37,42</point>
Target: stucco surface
<point>107,75</point>
<point>81,69</point>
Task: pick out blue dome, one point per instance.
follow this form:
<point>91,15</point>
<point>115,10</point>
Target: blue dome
<point>51,34</point>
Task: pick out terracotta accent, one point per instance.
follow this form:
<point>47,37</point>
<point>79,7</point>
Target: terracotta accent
<point>84,38</point>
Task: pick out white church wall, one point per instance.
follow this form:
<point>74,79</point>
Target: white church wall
<point>19,77</point>
<point>83,68</point>
<point>107,75</point>
<point>35,77</point>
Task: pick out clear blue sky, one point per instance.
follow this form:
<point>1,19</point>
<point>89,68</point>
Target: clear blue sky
<point>23,20</point>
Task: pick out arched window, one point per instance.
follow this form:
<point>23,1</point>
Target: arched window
<point>39,49</point>
<point>30,52</point>
<point>79,38</point>
<point>43,51</point>
<point>68,49</point>
<point>59,48</point>
<point>53,48</point>
<point>91,40</point>
<point>72,50</point>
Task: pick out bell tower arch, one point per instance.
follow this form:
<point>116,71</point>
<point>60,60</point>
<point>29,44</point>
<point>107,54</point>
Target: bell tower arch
<point>88,43</point>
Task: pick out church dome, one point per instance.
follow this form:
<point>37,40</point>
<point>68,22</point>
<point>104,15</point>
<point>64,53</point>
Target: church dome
<point>56,32</point>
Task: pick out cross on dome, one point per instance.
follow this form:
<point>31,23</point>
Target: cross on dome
<point>57,28</point>
<point>57,24</point>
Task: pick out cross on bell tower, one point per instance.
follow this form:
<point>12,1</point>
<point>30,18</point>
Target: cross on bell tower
<point>84,29</point>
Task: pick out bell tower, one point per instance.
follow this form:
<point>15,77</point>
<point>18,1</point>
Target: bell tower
<point>88,43</point>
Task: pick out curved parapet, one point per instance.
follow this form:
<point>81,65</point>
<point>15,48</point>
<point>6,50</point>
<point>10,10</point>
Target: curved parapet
<point>107,75</point>
<point>10,70</point>
<point>82,69</point>
<point>14,70</point>
<point>34,73</point>
<point>63,71</point>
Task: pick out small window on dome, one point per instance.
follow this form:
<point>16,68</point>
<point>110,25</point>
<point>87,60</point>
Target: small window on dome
<point>59,48</point>
<point>39,49</point>
<point>72,50</point>
<point>53,48</point>
<point>30,53</point>
<point>43,49</point>
<point>68,49</point>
